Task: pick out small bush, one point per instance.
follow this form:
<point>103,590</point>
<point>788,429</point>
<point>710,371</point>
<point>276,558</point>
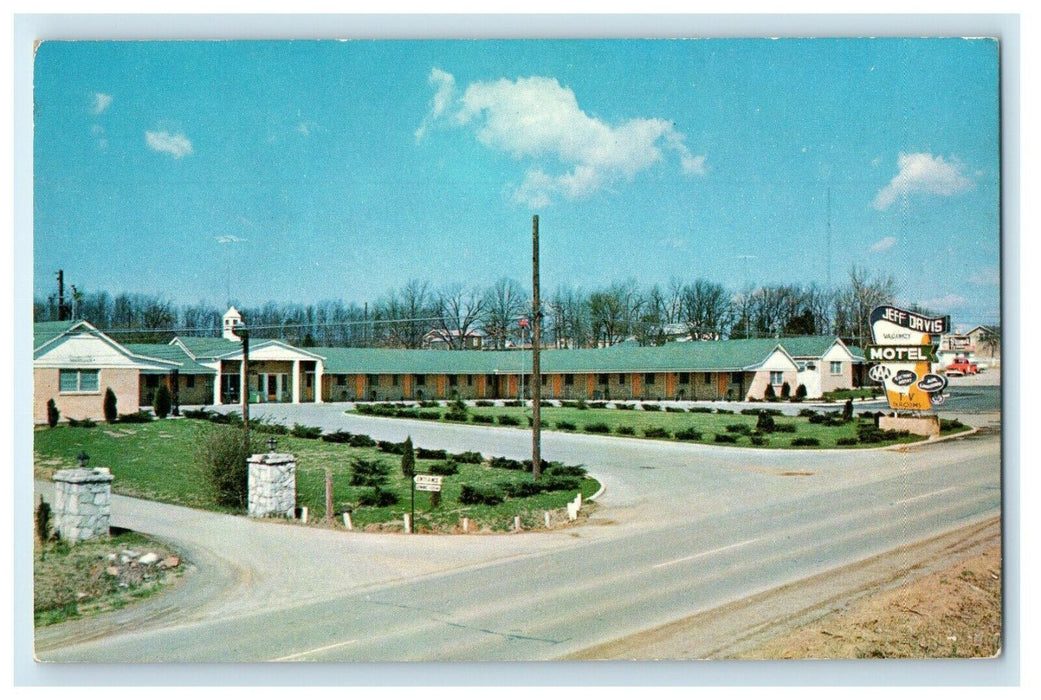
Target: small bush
<point>428,415</point>
<point>527,464</point>
<point>598,404</point>
<point>565,425</point>
<point>651,407</point>
<point>542,423</point>
<point>478,418</point>
<point>505,463</point>
<point>270,428</point>
<point>724,437</point>
<point>377,498</point>
<point>805,442</point>
<point>847,410</point>
<point>701,409</point>
<point>739,428</point>
<point>786,392</point>
<point>429,404</point>
<point>307,432</point>
<point>476,496</point>
<point>222,454</point>
<point>625,430</point>
<point>391,448</point>
<point>508,420</point>
<point>484,403</point>
<point>361,441</point>
<point>340,436</point>
<point>656,432</point>
<point>85,423</point>
<point>688,434</point>
<point>581,405</point>
<point>424,453</point>
<point>724,412</point>
<point>759,440</point>
<point>800,393</point>
<point>765,423</point>
<point>565,470</point>
<point>53,414</point>
<point>597,428</point>
<point>806,412</point>
<point>444,468</point>
<point>846,441</point>
<point>457,417</point>
<point>197,414</point>
<point>162,402</point>
<point>675,409</point>
<point>757,411</point>
<point>950,424</point>
<point>624,406</point>
<point>784,428</point>
<point>144,417</point>
<point>109,406</point>
<point>368,472</point>
<point>407,413</point>
<point>512,404</point>
<point>468,457</point>
<point>408,458</point>
<point>43,521</point>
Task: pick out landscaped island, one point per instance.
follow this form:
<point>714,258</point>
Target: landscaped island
<point>750,427</point>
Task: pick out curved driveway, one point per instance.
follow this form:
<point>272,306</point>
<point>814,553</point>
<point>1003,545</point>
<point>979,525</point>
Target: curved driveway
<point>755,518</point>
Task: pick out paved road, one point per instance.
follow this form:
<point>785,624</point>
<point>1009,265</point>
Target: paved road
<point>680,529</point>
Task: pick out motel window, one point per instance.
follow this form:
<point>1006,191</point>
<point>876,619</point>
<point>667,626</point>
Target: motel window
<point>602,379</point>
<point>736,377</point>
<point>469,380</point>
<point>708,378</point>
<point>453,380</point>
<point>374,380</point>
<point>621,379</point>
<point>569,380</point>
<point>341,380</point>
<point>648,378</point>
<point>78,380</point>
<point>421,380</point>
<point>151,381</point>
<point>684,377</point>
<point>395,380</point>
<point>544,378</point>
<point>777,378</point>
<point>189,381</point>
<point>836,368</point>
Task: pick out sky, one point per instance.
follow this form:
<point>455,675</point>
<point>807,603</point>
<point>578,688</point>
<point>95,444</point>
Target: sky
<point>300,171</point>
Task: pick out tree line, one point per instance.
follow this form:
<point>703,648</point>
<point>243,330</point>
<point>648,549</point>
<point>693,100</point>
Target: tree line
<point>572,317</point>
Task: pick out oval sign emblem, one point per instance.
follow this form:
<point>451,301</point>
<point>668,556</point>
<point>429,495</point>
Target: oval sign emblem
<point>905,377</point>
<point>936,399</point>
<point>933,383</point>
<point>879,373</point>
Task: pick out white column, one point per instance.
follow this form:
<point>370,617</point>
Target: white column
<point>319,369</point>
<point>296,381</point>
<point>216,386</point>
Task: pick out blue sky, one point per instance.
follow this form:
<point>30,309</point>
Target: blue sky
<point>309,170</point>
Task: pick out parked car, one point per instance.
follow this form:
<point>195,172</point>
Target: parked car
<point>961,367</point>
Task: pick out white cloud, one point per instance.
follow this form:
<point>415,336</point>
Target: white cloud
<point>883,245</point>
<point>101,102</point>
<point>945,303</point>
<point>987,277</point>
<point>538,121</point>
<point>176,145</point>
<point>230,239</point>
<point>923,173</point>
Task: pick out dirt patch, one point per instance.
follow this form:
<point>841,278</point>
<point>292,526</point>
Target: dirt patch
<point>954,613</point>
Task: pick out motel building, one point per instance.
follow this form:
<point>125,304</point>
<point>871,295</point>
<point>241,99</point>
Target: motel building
<point>74,363</point>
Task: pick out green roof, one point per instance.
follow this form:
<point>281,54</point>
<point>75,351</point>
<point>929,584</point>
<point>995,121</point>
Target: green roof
<point>701,356</point>
<point>170,353</point>
<point>209,348</point>
<point>46,331</point>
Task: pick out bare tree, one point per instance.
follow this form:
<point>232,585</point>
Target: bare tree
<point>457,313</point>
<point>706,309</point>
<point>854,302</point>
<point>504,303</point>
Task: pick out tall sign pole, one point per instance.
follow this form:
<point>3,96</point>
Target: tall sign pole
<point>244,334</point>
<point>536,377</point>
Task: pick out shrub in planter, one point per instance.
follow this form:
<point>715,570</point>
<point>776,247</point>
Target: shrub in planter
<point>478,418</point>
<point>508,420</point>
<point>724,437</point>
<point>565,425</point>
<point>53,414</point>
<point>675,409</point>
<point>805,442</point>
<point>625,430</point>
<point>655,432</point>
<point>362,441</point>
<point>597,428</point>
<point>408,458</point>
<point>340,436</point>
<point>109,406</point>
<point>688,434</point>
<point>765,423</point>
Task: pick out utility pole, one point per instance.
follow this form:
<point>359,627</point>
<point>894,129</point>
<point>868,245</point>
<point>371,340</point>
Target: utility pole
<point>536,377</point>
<point>243,332</point>
<point>61,295</point>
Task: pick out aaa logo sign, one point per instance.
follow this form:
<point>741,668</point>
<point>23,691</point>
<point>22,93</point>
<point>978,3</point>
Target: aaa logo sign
<point>905,348</point>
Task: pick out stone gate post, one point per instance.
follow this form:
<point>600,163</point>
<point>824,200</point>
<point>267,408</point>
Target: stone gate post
<point>272,485</point>
<point>82,499</point>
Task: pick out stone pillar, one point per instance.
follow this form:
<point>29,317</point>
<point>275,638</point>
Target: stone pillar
<point>82,500</point>
<point>272,485</point>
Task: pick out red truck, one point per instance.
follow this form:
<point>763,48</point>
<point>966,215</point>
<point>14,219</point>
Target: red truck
<point>960,367</point>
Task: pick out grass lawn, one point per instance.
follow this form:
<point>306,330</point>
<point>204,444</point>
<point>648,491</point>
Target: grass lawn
<point>157,461</point>
<point>614,421</point>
